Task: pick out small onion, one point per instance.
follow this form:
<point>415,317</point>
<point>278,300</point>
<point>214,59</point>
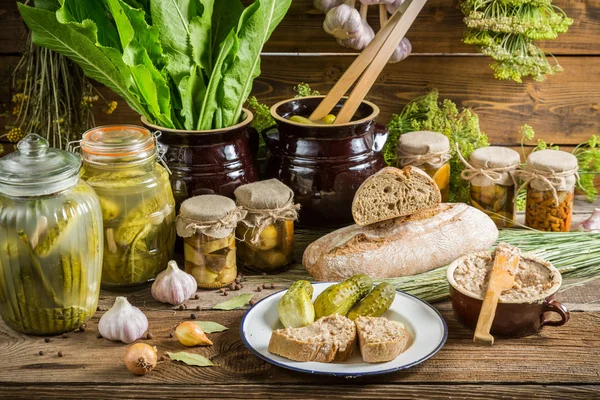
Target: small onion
<point>140,358</point>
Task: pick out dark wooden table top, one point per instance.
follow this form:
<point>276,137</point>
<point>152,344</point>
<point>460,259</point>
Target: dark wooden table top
<point>561,362</point>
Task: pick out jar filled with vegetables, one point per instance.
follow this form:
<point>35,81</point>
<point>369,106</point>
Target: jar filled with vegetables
<point>207,225</point>
<point>50,240</point>
<point>138,209</point>
<point>429,151</point>
<point>266,234</point>
<point>550,176</point>
<point>491,172</point>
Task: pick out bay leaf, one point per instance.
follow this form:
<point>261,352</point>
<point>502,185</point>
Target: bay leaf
<point>191,359</point>
<point>234,302</point>
<point>210,326</point>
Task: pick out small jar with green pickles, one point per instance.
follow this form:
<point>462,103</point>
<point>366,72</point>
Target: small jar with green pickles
<point>207,225</point>
<point>491,171</point>
<point>50,240</point>
<point>138,208</point>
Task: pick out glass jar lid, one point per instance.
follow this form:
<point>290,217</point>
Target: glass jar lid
<point>118,143</point>
<point>35,169</point>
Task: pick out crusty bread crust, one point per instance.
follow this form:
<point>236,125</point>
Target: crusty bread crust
<point>405,246</point>
<point>380,351</point>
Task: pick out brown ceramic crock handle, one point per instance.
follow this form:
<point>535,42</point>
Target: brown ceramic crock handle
<point>557,307</point>
<point>271,137</point>
<point>380,135</point>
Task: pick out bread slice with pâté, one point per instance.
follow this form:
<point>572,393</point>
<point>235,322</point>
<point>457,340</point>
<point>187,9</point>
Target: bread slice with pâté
<point>380,339</point>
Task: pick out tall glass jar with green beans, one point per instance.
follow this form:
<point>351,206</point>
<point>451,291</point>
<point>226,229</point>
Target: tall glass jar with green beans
<point>138,209</point>
<point>50,240</point>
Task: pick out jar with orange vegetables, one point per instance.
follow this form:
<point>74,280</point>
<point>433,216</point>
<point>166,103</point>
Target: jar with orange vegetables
<point>266,235</point>
<point>429,151</point>
<point>550,176</point>
<point>491,172</point>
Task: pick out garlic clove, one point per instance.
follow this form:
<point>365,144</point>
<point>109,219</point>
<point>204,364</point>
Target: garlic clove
<point>123,322</point>
<point>190,334</point>
<point>326,5</point>
<point>343,22</point>
<point>402,51</point>
<point>592,224</point>
<point>173,286</point>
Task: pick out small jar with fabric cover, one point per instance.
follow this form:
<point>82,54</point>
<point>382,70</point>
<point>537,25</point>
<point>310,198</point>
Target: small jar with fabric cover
<point>429,151</point>
<point>550,177</point>
<point>207,225</point>
<point>491,172</point>
<point>266,234</point>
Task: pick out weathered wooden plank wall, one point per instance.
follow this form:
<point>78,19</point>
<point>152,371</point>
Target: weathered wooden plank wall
<point>564,109</point>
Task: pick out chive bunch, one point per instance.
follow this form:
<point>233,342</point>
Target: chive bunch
<point>506,30</point>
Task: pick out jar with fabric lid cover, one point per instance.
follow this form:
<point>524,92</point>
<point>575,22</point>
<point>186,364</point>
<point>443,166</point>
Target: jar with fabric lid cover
<point>491,172</point>
<point>138,209</point>
<point>266,234</point>
<point>550,177</point>
<point>207,225</point>
<point>429,151</point>
<point>50,240</point>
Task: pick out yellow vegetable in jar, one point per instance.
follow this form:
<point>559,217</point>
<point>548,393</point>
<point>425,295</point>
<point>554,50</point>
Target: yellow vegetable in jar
<point>228,275</point>
<point>193,256</point>
<point>268,238</point>
<point>273,258</point>
<point>442,176</point>
<point>203,275</point>
<point>215,245</point>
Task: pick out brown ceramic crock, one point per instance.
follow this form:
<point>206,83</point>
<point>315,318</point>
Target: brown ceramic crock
<point>209,162</point>
<point>324,164</point>
<point>513,319</point>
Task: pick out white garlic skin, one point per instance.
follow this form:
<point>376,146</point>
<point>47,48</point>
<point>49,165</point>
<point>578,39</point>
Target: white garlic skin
<point>402,51</point>
<point>343,22</point>
<point>326,5</point>
<point>592,224</point>
<point>393,6</point>
<point>373,2</point>
<point>123,322</point>
<point>173,286</point>
<point>361,41</point>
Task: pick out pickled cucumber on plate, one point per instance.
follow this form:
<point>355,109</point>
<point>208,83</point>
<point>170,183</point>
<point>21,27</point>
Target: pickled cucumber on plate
<point>295,307</point>
<point>339,298</point>
<point>376,303</point>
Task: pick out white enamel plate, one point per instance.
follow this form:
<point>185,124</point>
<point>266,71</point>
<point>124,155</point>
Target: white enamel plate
<point>426,326</point>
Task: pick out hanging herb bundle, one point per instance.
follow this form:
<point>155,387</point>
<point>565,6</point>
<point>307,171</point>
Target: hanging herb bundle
<point>506,30</point>
<point>53,98</point>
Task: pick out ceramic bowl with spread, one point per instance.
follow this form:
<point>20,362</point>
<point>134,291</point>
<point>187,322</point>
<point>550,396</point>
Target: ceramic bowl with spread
<point>522,310</point>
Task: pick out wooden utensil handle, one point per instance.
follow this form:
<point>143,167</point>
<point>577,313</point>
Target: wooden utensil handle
<point>486,318</point>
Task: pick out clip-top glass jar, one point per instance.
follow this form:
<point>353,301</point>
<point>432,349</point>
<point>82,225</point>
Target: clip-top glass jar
<point>429,151</point>
<point>138,209</point>
<point>207,225</point>
<point>493,184</point>
<point>50,240</point>
<point>266,234</point>
<point>550,176</point>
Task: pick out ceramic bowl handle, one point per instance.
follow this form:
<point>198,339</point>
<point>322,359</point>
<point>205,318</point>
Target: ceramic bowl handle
<point>554,306</point>
<point>271,137</point>
<point>380,135</point>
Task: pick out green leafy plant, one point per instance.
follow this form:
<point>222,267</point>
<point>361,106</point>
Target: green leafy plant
<point>506,30</point>
<point>461,126</point>
<point>184,64</point>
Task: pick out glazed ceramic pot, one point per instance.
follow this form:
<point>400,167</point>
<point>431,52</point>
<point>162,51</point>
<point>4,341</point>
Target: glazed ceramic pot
<point>512,319</point>
<point>209,162</point>
<point>324,164</point>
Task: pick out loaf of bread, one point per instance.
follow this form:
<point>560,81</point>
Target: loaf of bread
<point>327,339</point>
<point>379,339</point>
<point>403,246</point>
<point>393,193</point>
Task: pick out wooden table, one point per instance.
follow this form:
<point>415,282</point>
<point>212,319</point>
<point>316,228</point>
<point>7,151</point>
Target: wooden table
<point>559,362</point>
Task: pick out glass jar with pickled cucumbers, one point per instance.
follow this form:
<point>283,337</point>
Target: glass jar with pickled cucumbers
<point>551,177</point>
<point>429,151</point>
<point>50,240</point>
<point>491,171</point>
<point>138,209</point>
<point>207,225</point>
<point>266,235</point>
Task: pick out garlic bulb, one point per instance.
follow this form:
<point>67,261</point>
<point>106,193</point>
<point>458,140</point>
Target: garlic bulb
<point>402,51</point>
<point>173,285</point>
<point>326,5</point>
<point>373,2</point>
<point>592,224</point>
<point>393,6</point>
<point>123,322</point>
<point>359,42</point>
<point>343,22</point>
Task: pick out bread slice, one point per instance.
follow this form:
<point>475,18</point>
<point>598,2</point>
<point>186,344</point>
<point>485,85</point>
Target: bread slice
<point>379,339</point>
<point>327,339</point>
<point>393,193</point>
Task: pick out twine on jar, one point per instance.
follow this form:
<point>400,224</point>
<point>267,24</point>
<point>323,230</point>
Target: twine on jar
<point>416,160</point>
<point>186,227</point>
<point>551,179</point>
<point>493,174</point>
<point>263,218</point>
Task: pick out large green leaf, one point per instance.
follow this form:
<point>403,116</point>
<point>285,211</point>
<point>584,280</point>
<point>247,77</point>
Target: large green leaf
<point>193,90</point>
<point>48,32</point>
<point>77,13</point>
<point>256,26</point>
<point>226,14</point>
<point>200,37</point>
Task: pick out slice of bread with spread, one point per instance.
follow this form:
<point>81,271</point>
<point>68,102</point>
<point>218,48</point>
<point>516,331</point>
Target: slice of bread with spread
<point>379,339</point>
<point>327,339</point>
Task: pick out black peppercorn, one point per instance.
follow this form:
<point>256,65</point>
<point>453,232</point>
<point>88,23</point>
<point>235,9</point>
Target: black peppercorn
<point>47,340</point>
<point>60,354</point>
<point>193,316</point>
